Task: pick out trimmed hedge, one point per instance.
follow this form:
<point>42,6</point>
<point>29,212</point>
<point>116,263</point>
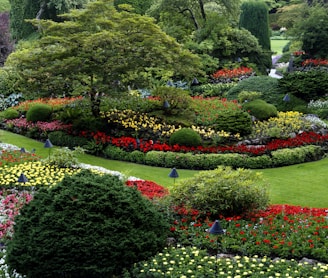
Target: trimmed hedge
<point>191,161</point>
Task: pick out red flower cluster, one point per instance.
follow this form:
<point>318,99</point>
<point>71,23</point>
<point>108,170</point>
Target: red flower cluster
<point>315,62</point>
<point>148,189</point>
<point>232,73</point>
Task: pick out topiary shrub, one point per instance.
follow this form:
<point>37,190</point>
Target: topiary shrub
<point>89,225</point>
<point>234,121</point>
<point>39,112</point>
<point>9,114</point>
<point>185,137</point>
<point>222,191</point>
<point>260,109</point>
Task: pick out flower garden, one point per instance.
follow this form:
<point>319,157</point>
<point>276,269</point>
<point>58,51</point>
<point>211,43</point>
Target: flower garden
<point>271,241</point>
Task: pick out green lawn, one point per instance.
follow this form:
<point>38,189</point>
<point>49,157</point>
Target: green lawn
<point>302,184</point>
<point>278,45</point>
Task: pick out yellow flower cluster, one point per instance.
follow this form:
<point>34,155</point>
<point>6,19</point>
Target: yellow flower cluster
<point>209,133</point>
<point>139,122</point>
<point>284,124</point>
<point>37,173</point>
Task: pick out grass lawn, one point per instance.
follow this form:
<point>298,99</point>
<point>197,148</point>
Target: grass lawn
<point>301,184</point>
<point>278,45</point>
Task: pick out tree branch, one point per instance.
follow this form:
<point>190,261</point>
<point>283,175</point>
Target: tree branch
<point>192,17</point>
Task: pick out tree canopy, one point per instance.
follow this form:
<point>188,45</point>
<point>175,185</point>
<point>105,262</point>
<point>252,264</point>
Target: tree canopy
<point>97,48</point>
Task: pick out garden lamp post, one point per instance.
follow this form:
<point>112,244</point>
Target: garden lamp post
<point>286,98</point>
<point>174,174</point>
<point>217,230</point>
<point>48,145</point>
<point>22,178</point>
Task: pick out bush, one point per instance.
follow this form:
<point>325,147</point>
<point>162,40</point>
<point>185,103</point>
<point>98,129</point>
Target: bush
<point>185,137</point>
<point>245,96</point>
<point>178,99</point>
<point>222,191</point>
<point>39,112</point>
<point>88,225</point>
<point>64,157</point>
<point>306,85</point>
<point>298,155</point>
<point>266,85</point>
<point>9,114</point>
<point>234,121</point>
<point>60,138</point>
<point>212,90</point>
<point>260,109</point>
<point>116,153</point>
<point>137,157</point>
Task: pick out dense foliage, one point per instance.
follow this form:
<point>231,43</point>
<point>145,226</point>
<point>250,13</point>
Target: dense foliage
<point>86,226</point>
<point>222,191</point>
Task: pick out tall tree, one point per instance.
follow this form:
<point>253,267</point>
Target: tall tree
<point>255,18</point>
<point>40,9</point>
<point>96,48</point>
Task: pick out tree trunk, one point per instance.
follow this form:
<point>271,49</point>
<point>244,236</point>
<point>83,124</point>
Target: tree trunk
<point>202,10</point>
<point>192,17</point>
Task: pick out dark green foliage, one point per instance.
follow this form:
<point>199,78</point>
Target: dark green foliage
<point>139,6</point>
<point>39,112</point>
<point>222,191</point>
<point>87,226</point>
<point>234,121</point>
<point>212,90</point>
<point>137,157</point>
<point>113,152</point>
<point>254,17</point>
<point>60,138</point>
<point>260,109</point>
<point>186,137</point>
<point>9,113</point>
<point>266,85</point>
<point>178,99</point>
<point>306,85</point>
<point>312,30</point>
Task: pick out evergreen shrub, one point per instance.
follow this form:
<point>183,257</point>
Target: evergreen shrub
<point>137,157</point>
<point>61,138</point>
<point>88,225</point>
<point>306,85</point>
<point>234,121</point>
<point>39,112</point>
<point>222,191</point>
<point>266,85</point>
<point>260,109</point>
<point>186,137</point>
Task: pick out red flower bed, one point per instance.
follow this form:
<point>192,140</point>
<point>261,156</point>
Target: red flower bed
<point>128,143</point>
<point>315,62</point>
<point>148,189</point>
<point>226,74</point>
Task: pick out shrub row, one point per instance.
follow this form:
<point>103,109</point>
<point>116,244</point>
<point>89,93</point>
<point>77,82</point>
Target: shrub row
<point>277,158</point>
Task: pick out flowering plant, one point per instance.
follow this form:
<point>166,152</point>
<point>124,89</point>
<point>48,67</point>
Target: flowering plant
<point>229,75</point>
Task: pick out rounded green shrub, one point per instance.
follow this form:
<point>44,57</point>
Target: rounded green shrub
<point>9,114</point>
<point>39,112</point>
<point>222,191</point>
<point>89,225</point>
<point>186,137</point>
<point>260,109</point>
<point>234,121</point>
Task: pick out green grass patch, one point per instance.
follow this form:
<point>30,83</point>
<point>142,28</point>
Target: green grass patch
<point>278,45</point>
<point>301,184</point>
